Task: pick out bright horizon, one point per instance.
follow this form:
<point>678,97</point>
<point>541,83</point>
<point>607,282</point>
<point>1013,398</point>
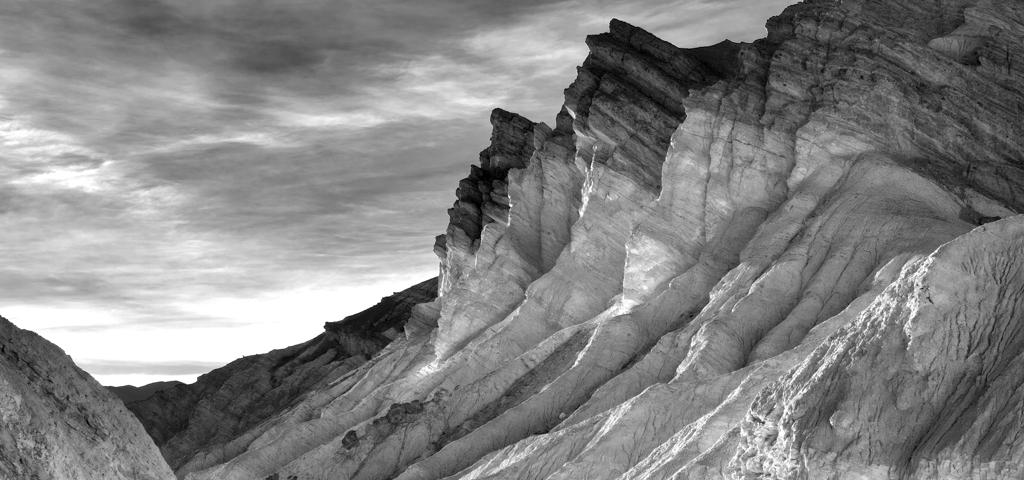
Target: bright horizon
<point>189,182</point>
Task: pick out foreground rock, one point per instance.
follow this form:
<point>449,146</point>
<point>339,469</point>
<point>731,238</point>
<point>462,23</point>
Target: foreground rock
<point>57,422</point>
<point>797,258</point>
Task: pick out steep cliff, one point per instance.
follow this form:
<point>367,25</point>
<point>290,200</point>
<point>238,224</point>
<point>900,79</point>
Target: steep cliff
<point>796,258</point>
<point>57,422</point>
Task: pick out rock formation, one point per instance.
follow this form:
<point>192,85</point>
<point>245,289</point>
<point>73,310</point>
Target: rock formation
<point>795,258</point>
<point>57,422</point>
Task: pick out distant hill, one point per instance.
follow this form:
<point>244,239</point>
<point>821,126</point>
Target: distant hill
<point>131,393</point>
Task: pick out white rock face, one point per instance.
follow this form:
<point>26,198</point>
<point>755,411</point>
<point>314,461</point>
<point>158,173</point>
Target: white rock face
<point>57,422</point>
<point>796,258</point>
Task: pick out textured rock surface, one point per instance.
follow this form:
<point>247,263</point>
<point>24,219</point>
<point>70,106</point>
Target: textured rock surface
<point>796,258</point>
<point>924,383</point>
<point>57,422</point>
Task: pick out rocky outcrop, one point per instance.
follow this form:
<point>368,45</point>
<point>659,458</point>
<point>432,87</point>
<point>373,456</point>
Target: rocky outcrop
<point>57,422</point>
<point>482,197</point>
<point>220,415</point>
<point>796,258</point>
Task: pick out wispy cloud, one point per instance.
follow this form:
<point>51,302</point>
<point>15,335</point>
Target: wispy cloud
<point>201,169</point>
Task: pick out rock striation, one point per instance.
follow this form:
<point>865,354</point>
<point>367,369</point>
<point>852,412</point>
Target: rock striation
<point>795,258</point>
<point>57,422</point>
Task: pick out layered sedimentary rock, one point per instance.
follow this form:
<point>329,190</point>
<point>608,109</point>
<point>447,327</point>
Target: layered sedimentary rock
<point>796,258</point>
<point>57,422</point>
<point>220,415</point>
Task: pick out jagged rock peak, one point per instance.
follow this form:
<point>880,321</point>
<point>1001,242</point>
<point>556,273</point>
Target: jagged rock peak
<point>482,197</point>
<point>511,143</point>
<point>57,422</point>
<point>628,98</point>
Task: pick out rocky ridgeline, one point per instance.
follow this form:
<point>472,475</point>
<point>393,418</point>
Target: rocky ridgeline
<point>796,258</point>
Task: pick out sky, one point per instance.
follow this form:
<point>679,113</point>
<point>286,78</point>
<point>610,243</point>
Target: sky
<point>187,182</point>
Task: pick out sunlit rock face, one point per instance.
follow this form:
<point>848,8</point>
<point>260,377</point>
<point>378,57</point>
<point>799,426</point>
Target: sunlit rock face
<point>797,258</point>
<point>57,422</point>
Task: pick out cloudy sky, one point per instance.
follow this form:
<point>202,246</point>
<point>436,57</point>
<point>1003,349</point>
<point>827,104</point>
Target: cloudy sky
<point>186,182</point>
